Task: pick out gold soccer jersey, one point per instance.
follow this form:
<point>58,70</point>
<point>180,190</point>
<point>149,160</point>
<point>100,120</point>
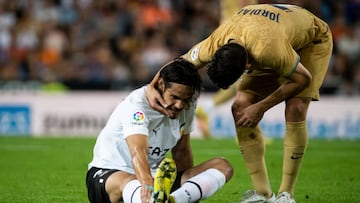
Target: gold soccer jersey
<point>272,35</point>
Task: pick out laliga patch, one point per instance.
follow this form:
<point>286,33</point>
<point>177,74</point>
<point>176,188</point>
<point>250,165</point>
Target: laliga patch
<point>138,118</point>
<point>195,53</point>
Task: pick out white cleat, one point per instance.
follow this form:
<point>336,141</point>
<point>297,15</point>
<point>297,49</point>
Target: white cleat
<point>284,197</point>
<point>252,197</point>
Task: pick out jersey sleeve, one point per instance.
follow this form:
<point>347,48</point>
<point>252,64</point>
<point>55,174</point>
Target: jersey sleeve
<point>135,121</point>
<point>198,55</point>
<point>203,52</point>
<point>277,54</point>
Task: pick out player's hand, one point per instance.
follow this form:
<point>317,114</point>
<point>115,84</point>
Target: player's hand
<point>146,193</point>
<point>156,101</point>
<point>250,116</point>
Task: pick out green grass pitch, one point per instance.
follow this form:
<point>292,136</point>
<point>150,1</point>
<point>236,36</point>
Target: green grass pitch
<point>53,169</point>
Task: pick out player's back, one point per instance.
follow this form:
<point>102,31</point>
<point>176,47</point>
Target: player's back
<point>294,23</point>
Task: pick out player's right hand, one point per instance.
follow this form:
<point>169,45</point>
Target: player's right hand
<point>156,101</point>
<point>146,194</point>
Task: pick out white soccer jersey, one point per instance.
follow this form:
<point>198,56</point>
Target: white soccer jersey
<point>134,116</point>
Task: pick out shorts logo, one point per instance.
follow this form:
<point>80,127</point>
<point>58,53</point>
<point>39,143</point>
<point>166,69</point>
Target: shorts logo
<point>100,173</point>
<point>195,53</point>
<point>138,116</point>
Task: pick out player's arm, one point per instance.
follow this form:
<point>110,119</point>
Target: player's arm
<point>182,153</point>
<point>295,83</point>
<point>138,146</point>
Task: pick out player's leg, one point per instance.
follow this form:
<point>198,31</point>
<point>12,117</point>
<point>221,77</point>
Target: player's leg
<point>252,148</point>
<point>123,186</point>
<point>295,142</point>
<point>315,58</point>
<point>203,122</point>
<point>254,86</point>
<point>201,181</point>
<point>107,185</point>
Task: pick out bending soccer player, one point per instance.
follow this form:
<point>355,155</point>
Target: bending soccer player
<point>136,139</point>
<point>281,54</point>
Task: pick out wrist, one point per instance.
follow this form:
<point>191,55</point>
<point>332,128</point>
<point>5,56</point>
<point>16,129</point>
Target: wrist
<point>149,187</point>
<point>147,181</point>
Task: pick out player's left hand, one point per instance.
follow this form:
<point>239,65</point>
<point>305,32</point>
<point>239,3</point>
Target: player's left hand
<point>250,116</point>
<point>146,193</point>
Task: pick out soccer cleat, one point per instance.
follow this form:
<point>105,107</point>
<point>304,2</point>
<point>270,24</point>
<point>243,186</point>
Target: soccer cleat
<point>251,196</point>
<point>284,197</point>
<point>164,178</point>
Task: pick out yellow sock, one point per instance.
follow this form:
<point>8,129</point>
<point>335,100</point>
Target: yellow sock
<point>295,143</point>
<point>253,151</point>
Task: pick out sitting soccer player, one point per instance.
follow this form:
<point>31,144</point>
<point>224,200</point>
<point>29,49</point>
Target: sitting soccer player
<point>136,138</point>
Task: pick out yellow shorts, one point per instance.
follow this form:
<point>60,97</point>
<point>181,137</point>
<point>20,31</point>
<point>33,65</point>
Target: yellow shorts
<point>315,57</point>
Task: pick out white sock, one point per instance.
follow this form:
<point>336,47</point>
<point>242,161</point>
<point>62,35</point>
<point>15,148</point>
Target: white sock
<point>200,186</point>
<point>131,192</point>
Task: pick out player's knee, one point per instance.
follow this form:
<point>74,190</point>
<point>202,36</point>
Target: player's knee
<point>223,165</point>
<point>114,192</point>
<point>238,106</point>
<point>217,163</point>
<point>242,101</point>
<point>296,109</point>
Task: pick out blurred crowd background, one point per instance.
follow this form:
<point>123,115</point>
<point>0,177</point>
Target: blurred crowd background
<point>120,44</point>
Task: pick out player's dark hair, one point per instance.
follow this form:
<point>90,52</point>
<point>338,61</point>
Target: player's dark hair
<point>183,72</point>
<point>227,65</point>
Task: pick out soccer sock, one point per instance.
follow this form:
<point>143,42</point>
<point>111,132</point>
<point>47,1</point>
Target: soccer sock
<point>253,151</point>
<point>131,192</point>
<point>200,186</point>
<point>295,143</point>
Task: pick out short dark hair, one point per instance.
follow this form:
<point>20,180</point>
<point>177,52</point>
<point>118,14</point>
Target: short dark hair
<point>183,72</point>
<point>227,65</point>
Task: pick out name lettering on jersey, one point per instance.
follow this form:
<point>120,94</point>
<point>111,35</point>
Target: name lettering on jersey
<point>157,151</point>
<point>261,12</point>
